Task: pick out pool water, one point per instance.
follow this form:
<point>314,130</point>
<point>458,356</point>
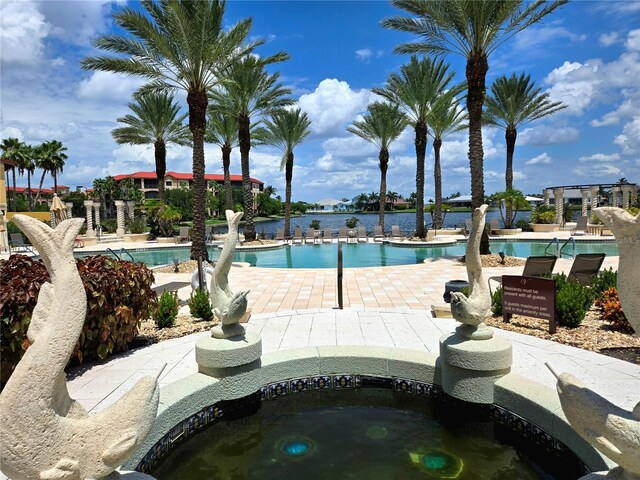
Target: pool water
<point>356,255</point>
<point>366,434</point>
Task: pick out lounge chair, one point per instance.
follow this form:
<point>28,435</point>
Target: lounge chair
<point>183,236</point>
<point>310,236</point>
<point>208,233</point>
<point>581,225</point>
<point>362,234</point>
<point>297,235</point>
<point>280,234</point>
<point>395,231</point>
<point>533,267</point>
<point>327,237</point>
<point>585,266</point>
<point>17,242</point>
<point>342,235</point>
<point>378,233</point>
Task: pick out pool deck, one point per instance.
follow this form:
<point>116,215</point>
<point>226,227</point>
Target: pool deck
<point>383,306</point>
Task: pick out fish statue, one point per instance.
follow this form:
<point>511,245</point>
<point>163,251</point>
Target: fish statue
<point>228,307</point>
<point>612,430</point>
<point>46,434</point>
<point>473,310</point>
<point>626,229</point>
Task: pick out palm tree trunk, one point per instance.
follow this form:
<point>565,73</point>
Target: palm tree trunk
<point>197,123</point>
<point>15,193</point>
<point>510,138</point>
<point>55,181</point>
<point>437,183</point>
<point>384,165</point>
<point>476,72</point>
<point>44,172</point>
<point>244,139</point>
<point>226,165</point>
<point>421,150</point>
<point>160,151</point>
<point>30,197</point>
<point>287,196</point>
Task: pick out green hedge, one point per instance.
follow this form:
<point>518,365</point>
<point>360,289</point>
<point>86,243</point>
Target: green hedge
<point>119,297</point>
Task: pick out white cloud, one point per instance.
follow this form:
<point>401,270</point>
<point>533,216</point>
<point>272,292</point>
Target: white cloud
<point>22,32</point>
<point>608,39</point>
<point>542,159</point>
<point>57,62</point>
<point>333,105</point>
<point>518,175</point>
<point>540,38</point>
<point>629,140</point>
<point>633,40</point>
<point>106,85</point>
<point>597,173</point>
<point>600,157</point>
<point>40,132</point>
<point>77,22</point>
<point>364,54</point>
<point>546,135</point>
<point>11,132</point>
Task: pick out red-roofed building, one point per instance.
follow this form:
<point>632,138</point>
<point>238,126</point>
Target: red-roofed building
<point>148,182</point>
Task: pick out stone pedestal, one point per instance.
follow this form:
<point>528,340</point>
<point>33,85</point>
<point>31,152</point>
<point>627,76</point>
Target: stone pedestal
<point>96,209</point>
<point>89,206</point>
<point>584,192</point>
<point>69,207</point>
<point>223,357</point>
<point>471,367</point>
<point>546,197</point>
<point>131,205</point>
<point>120,217</point>
<point>593,191</point>
<point>615,192</point>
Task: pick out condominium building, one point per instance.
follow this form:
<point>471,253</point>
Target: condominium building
<point>148,182</point>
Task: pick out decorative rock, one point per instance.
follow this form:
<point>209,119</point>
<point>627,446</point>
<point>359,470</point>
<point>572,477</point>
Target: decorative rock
<point>46,434</point>
<point>228,307</point>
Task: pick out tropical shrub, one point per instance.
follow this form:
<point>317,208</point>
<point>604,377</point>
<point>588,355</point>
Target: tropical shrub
<point>181,199</point>
<point>543,214</point>
<point>351,222</point>
<point>605,280</point>
<point>523,224</point>
<point>496,302</point>
<point>162,218</point>
<point>119,297</point>
<point>609,305</point>
<point>137,224</point>
<point>315,224</point>
<point>167,310</point>
<point>199,305</point>
<point>573,300</point>
<point>109,225</point>
<point>511,199</point>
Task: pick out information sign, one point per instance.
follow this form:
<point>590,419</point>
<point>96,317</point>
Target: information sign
<point>529,296</point>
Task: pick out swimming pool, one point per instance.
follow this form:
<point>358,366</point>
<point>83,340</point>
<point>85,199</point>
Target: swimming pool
<point>356,255</point>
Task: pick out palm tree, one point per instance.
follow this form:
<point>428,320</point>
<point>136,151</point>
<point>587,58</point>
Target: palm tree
<point>285,129</point>
<point>392,197</point>
<point>250,91</point>
<point>222,129</point>
<point>12,149</point>
<point>381,125</point>
<point>515,102</point>
<point>445,117</point>
<point>156,120</point>
<point>50,158</point>
<point>27,164</point>
<point>178,45</point>
<point>473,29</point>
<point>415,89</point>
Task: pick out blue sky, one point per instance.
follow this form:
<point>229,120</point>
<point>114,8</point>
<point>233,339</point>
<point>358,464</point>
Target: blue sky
<point>587,54</point>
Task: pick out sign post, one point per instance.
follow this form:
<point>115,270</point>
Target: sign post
<point>529,296</point>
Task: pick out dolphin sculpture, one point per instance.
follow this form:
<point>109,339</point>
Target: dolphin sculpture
<point>626,229</point>
<point>46,434</point>
<point>612,430</point>
<point>473,310</point>
<point>227,306</point>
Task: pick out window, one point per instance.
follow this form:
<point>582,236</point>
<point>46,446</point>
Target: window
<point>183,184</point>
<point>168,183</point>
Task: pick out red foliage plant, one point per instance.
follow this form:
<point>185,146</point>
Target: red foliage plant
<point>611,310</point>
<point>119,297</point>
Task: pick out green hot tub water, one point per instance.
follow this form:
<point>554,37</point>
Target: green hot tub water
<point>365,434</point>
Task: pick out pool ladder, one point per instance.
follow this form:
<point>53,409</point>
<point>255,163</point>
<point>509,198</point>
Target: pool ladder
<point>560,249</point>
<point>121,251</point>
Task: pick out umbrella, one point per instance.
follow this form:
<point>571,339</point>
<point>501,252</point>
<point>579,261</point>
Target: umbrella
<point>58,209</point>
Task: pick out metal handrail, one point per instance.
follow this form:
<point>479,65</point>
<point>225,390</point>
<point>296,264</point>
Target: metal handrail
<point>557,242</point>
<point>573,242</point>
<point>112,252</point>
<point>124,250</point>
